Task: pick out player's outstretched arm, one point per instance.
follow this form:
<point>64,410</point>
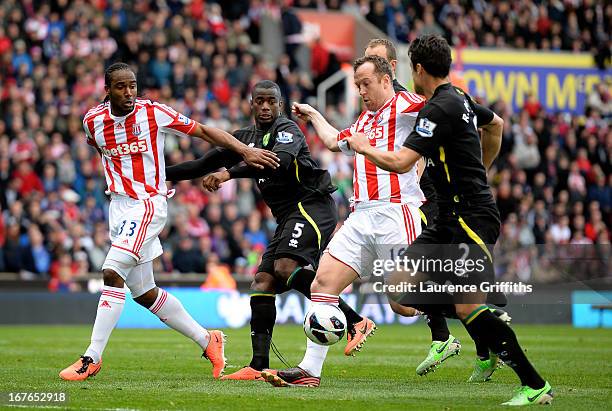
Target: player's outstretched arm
<point>255,157</point>
<point>213,160</point>
<point>212,182</point>
<point>326,132</point>
<point>395,161</point>
<point>491,138</point>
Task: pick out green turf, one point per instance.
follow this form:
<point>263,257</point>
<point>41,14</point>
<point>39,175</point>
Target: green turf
<point>159,369</point>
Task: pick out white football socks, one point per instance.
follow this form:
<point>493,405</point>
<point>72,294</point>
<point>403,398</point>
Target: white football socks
<point>314,358</point>
<point>110,307</point>
<point>315,353</point>
<point>170,311</point>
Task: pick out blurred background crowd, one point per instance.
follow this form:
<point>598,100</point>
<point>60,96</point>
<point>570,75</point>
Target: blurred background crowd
<point>535,25</point>
<point>552,180</point>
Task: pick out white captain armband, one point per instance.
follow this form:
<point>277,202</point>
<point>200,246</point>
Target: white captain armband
<point>344,146</point>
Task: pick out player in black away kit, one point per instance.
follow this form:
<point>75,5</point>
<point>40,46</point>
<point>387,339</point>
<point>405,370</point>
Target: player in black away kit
<point>446,133</point>
<point>298,194</point>
<point>444,345</point>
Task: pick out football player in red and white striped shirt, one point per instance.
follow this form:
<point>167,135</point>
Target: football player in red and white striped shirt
<point>386,205</point>
<point>129,135</point>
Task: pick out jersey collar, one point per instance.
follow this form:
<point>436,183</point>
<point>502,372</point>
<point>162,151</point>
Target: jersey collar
<point>117,118</point>
<point>266,130</point>
<point>444,86</point>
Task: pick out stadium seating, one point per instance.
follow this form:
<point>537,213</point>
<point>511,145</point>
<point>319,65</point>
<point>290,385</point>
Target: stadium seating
<point>552,179</point>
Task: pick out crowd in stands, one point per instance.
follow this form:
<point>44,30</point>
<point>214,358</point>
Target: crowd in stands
<point>552,180</point>
<point>530,24</point>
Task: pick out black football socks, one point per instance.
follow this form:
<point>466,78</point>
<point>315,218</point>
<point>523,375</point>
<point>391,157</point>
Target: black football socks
<point>439,328</point>
<point>263,317</point>
<point>500,338</point>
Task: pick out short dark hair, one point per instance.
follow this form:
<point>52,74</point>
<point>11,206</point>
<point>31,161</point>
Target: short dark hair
<point>266,84</point>
<point>111,69</point>
<point>391,51</point>
<point>433,53</point>
<point>381,65</point>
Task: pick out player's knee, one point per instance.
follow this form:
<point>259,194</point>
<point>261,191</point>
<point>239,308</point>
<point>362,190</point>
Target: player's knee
<point>263,282</point>
<point>111,278</point>
<point>325,281</point>
<point>147,299</point>
<point>464,310</point>
<point>284,267</point>
<point>141,281</point>
<point>320,284</point>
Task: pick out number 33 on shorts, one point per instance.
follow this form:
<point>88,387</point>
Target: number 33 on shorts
<point>129,231</point>
<point>297,233</point>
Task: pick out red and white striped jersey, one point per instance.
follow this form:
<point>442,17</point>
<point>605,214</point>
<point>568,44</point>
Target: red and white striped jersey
<point>132,146</point>
<point>386,129</point>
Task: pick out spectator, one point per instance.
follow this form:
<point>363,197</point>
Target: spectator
<point>97,253</point>
<point>576,182</point>
<point>160,67</point>
<point>26,180</point>
<point>532,105</point>
<point>22,59</point>
<point>292,30</point>
<point>12,249</point>
<point>254,234</point>
<point>602,192</point>
<point>219,276</point>
<point>399,29</point>
<point>63,272</point>
<point>319,63</point>
<point>600,99</point>
<point>187,259</point>
<point>527,154</point>
<point>377,16</point>
<point>196,226</point>
<point>429,25</point>
<point>35,259</point>
<point>560,231</point>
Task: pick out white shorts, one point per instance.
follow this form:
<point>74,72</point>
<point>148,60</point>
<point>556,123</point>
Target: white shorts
<point>135,226</point>
<point>374,231</point>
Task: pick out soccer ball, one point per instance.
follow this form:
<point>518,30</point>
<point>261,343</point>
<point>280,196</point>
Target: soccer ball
<point>325,324</point>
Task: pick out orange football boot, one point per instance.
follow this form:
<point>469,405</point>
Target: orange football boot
<point>357,335</point>
<point>247,374</point>
<point>215,352</point>
<point>292,377</point>
<point>81,370</point>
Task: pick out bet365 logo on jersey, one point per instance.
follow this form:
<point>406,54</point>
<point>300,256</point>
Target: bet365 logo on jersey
<point>376,132</point>
<point>125,149</point>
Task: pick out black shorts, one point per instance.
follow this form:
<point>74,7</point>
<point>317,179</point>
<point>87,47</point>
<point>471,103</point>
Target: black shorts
<point>429,211</point>
<point>303,234</point>
<point>455,249</point>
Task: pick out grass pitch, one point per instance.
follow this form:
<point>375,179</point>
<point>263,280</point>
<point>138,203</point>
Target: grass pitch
<point>160,369</point>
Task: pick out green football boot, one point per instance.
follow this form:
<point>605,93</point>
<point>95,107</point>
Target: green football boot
<point>439,352</point>
<point>483,369</point>
<point>528,396</point>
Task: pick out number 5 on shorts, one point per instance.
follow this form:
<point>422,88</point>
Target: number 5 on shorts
<point>297,230</point>
<point>131,229</point>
